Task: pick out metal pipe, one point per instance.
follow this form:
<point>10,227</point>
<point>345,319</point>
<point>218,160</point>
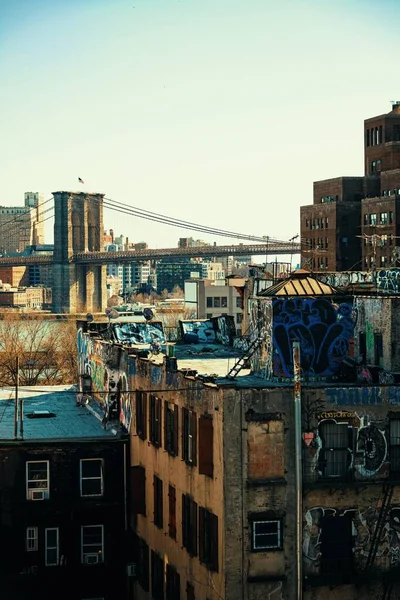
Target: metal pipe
<point>16,402</point>
<point>298,469</point>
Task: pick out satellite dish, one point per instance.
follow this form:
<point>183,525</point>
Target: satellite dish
<point>148,314</point>
<point>111,313</point>
<point>89,318</point>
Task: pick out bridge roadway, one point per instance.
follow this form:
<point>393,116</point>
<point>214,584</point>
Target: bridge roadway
<point>272,247</point>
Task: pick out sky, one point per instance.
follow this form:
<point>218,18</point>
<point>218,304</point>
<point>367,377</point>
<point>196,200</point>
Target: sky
<point>217,112</point>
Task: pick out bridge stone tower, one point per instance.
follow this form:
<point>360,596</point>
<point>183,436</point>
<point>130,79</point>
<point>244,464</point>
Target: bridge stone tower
<point>78,227</point>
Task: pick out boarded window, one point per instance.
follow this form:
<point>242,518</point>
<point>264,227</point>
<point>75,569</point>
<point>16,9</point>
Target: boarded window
<point>157,576</point>
<point>189,436</point>
<point>208,539</point>
<point>266,450</point>
<point>155,420</point>
<point>171,423</point>
<point>173,583</point>
<point>206,446</point>
<point>172,512</point>
<point>189,524</point>
<point>158,501</point>
<point>138,490</point>
<point>141,415</point>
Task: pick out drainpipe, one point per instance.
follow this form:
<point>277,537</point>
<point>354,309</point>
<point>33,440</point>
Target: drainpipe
<point>298,469</point>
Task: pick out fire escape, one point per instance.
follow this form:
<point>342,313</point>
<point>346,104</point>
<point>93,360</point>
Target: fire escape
<point>252,345</point>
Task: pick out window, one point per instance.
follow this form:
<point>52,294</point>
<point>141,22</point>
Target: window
<point>383,218</point>
<point>367,137</point>
<point>266,535</point>
<point>138,490</point>
<point>189,524</point>
<point>334,458</point>
<point>157,576</point>
<point>206,446</point>
<point>239,318</point>
<point>366,219</point>
<point>384,240</point>
<point>190,592</point>
<point>92,544</point>
<point>171,428</point>
<point>141,414</point>
<point>155,420</point>
<point>142,557</point>
<point>394,435</point>
<point>172,512</point>
<point>208,539</point>
<point>390,217</point>
<point>91,474</point>
<point>158,501</point>
<point>238,302</point>
<point>217,302</point>
<point>208,316</point>
<point>31,542</point>
<point>378,348</point>
<point>337,548</point>
<point>372,219</point>
<point>383,261</point>
<point>209,302</point>
<point>173,583</point>
<point>224,302</point>
<point>189,436</point>
<point>51,547</point>
<point>37,480</point>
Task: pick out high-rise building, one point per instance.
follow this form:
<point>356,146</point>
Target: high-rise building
<point>22,226</point>
<point>354,222</point>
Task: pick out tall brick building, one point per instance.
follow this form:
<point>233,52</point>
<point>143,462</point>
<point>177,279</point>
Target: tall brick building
<point>354,222</point>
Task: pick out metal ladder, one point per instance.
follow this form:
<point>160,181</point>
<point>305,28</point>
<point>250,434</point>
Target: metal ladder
<point>241,362</point>
<point>383,513</point>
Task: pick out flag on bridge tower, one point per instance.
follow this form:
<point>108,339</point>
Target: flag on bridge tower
<point>80,180</point>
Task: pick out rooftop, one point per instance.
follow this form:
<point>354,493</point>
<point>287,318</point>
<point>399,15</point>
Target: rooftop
<point>51,413</point>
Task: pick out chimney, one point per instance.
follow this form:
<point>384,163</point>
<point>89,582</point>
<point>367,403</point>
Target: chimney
<point>396,106</point>
<point>112,235</point>
<point>126,243</point>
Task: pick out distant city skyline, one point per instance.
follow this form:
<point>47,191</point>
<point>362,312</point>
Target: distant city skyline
<point>218,112</point>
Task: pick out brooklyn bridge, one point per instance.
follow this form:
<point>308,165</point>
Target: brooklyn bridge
<point>79,261</point>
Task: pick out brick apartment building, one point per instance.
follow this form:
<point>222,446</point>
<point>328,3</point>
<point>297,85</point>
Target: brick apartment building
<point>354,222</point>
<point>62,499</point>
<point>213,453</point>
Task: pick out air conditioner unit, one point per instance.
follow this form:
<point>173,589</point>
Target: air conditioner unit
<point>36,494</point>
<point>91,559</point>
<point>131,570</point>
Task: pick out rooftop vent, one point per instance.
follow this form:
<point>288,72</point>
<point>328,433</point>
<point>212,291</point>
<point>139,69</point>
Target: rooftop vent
<point>41,414</point>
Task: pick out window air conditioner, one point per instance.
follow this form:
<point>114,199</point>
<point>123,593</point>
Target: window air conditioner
<point>91,559</point>
<point>131,570</point>
<point>36,495</point>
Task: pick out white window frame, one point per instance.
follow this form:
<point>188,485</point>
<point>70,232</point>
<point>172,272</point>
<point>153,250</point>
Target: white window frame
<point>31,539</point>
<point>87,552</point>
<point>278,535</point>
<point>47,547</point>
<point>32,488</point>
<point>101,478</point>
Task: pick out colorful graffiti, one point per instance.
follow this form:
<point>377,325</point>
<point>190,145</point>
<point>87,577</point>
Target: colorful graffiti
<point>133,333</point>
<point>323,328</point>
<point>363,526</point>
<point>261,320</point>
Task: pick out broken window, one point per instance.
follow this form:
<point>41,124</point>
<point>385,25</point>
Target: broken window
<point>155,420</point>
<point>334,458</point>
<point>189,436</point>
<point>171,428</point>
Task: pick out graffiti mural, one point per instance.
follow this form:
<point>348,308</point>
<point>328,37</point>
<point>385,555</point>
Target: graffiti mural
<point>363,525</point>
<point>324,329</point>
<point>261,326</point>
<point>215,330</point>
<point>388,280</point>
<point>132,333</point>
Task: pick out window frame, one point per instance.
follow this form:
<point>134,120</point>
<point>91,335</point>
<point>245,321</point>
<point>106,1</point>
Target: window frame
<point>101,478</point>
<point>31,540</point>
<point>171,428</point>
<point>155,418</point>
<point>208,539</point>
<point>158,502</point>
<point>279,534</point>
<point>189,524</point>
<point>172,511</point>
<point>47,547</point>
<point>84,553</point>
<point>189,436</point>
<point>45,490</point>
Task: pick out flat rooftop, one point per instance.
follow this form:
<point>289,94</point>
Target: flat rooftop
<point>51,413</point>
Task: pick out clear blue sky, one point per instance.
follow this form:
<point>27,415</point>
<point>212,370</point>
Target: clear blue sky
<point>221,112</point>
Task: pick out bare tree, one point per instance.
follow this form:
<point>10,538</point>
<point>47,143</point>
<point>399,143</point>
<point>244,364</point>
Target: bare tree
<point>46,350</point>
